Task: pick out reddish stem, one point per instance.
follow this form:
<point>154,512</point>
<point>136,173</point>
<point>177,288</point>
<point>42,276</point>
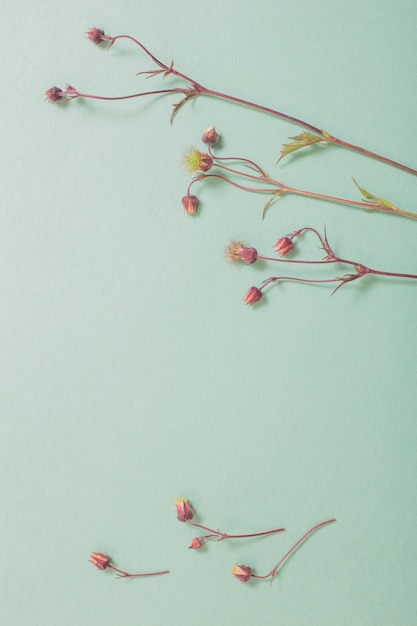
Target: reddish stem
<point>282,188</point>
<point>293,548</point>
<point>326,137</point>
<point>227,536</point>
<point>123,574</point>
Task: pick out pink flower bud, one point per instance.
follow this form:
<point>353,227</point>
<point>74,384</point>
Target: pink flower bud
<point>96,35</point>
<point>196,544</point>
<point>210,136</point>
<point>54,94</point>
<point>284,246</point>
<point>100,560</point>
<point>237,252</point>
<point>252,295</point>
<point>189,204</point>
<point>184,509</point>
<point>242,572</point>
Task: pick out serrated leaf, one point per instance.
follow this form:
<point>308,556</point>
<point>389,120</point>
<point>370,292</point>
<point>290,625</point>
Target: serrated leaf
<point>369,197</point>
<point>299,141</point>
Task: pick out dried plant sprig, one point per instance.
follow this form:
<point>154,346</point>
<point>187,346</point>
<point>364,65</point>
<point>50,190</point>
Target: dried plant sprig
<point>193,89</point>
<point>247,175</point>
<point>244,572</point>
<point>239,252</point>
<point>185,513</point>
<point>103,561</point>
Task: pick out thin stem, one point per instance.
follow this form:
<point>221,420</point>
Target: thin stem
<point>135,95</point>
<point>365,205</point>
<point>230,182</point>
<point>274,279</point>
<point>282,188</point>
<point>293,548</point>
<point>266,532</point>
<point>326,137</point>
<point>393,274</point>
<point>296,261</point>
<point>227,536</point>
<point>123,574</point>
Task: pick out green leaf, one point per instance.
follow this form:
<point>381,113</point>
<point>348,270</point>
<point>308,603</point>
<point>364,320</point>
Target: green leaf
<point>275,195</point>
<point>371,199</point>
<point>299,141</point>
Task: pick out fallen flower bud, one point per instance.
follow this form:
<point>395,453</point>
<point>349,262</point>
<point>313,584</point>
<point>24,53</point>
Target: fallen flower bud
<point>284,246</point>
<point>184,509</point>
<point>103,561</point>
<point>210,136</point>
<point>242,572</point>
<point>252,295</point>
<point>190,204</point>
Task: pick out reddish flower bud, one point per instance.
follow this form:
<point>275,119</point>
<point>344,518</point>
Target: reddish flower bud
<point>196,161</point>
<point>190,204</point>
<point>184,509</point>
<point>196,544</point>
<point>237,252</point>
<point>242,572</point>
<point>284,246</point>
<point>100,560</point>
<point>96,35</point>
<point>210,136</point>
<point>252,295</point>
<point>54,94</point>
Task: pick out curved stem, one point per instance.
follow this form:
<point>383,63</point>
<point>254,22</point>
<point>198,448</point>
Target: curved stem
<point>274,279</point>
<point>227,536</point>
<point>294,547</point>
<point>200,90</point>
<point>123,574</point>
<point>266,532</point>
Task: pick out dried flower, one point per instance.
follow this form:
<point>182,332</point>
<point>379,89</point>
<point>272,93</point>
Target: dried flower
<point>100,560</point>
<point>97,36</point>
<point>190,204</point>
<point>284,246</point>
<point>242,572</point>
<point>184,509</point>
<point>210,136</point>
<point>196,161</point>
<point>252,295</point>
<point>196,543</point>
<point>54,94</point>
<point>238,252</point>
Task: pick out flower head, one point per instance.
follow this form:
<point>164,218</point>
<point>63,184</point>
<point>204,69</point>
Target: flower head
<point>196,544</point>
<point>100,560</point>
<point>284,246</point>
<point>196,161</point>
<point>252,295</point>
<point>54,94</point>
<point>210,136</point>
<point>184,509</point>
<point>237,252</point>
<point>97,36</point>
<point>190,204</point>
<point>242,572</point>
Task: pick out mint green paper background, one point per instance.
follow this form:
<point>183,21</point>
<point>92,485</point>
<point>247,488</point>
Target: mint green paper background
<point>132,373</point>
